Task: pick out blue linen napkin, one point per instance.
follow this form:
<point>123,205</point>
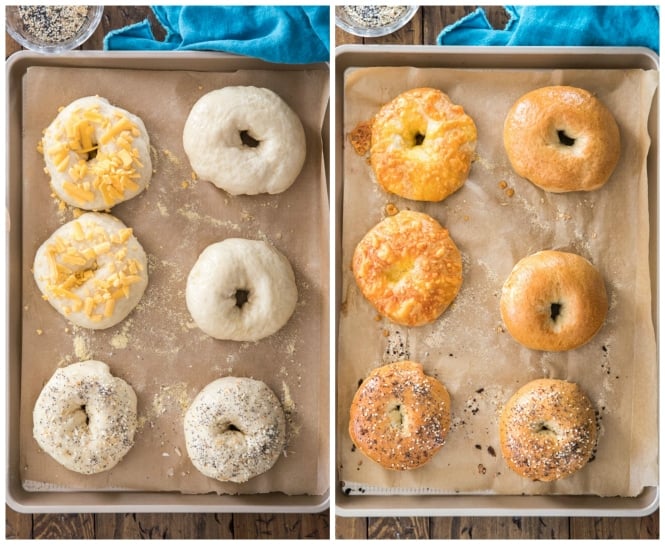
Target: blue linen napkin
<point>560,25</point>
<point>284,34</point>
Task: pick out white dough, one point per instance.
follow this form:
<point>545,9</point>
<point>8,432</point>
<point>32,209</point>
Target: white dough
<point>235,429</point>
<point>85,418</point>
<point>92,270</point>
<point>212,140</point>
<point>121,167</point>
<point>232,265</point>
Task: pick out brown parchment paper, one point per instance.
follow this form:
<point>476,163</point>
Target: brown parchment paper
<point>158,349</point>
<point>494,226</point>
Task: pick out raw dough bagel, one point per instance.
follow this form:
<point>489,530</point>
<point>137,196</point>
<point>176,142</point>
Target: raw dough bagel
<point>400,416</point>
<point>553,301</point>
<point>245,140</point>
<point>422,145</point>
<point>408,268</point>
<point>235,429</point>
<point>547,430</point>
<point>241,290</point>
<point>562,139</point>
<point>97,155</point>
<point>85,418</point>
<point>92,270</point>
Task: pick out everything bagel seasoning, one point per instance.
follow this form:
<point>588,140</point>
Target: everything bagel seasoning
<point>53,24</point>
<point>374,16</point>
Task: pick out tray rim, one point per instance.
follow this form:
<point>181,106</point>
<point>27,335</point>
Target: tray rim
<point>515,57</point>
<point>74,501</point>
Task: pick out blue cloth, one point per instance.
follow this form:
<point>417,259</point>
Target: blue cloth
<point>284,34</point>
<point>560,25</point>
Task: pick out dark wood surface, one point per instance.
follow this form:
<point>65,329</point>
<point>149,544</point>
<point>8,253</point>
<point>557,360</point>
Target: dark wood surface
<point>423,29</point>
<point>158,525</point>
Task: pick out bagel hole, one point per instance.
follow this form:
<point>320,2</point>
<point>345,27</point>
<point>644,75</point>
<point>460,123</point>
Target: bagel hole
<point>544,427</point>
<point>419,139</point>
<point>396,416</point>
<point>242,296</point>
<point>229,427</point>
<point>248,140</point>
<point>555,311</point>
<point>565,139</point>
<point>87,418</point>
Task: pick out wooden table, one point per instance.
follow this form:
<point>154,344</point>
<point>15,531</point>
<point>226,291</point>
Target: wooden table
<point>162,525</point>
<point>423,29</point>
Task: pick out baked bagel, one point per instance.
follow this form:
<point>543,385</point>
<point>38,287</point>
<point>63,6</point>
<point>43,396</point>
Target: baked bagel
<point>400,416</point>
<point>562,139</point>
<point>547,430</point>
<point>422,145</point>
<point>408,267</point>
<point>553,301</point>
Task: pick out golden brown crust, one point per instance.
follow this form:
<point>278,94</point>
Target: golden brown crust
<point>547,430</point>
<point>400,416</point>
<point>409,268</point>
<point>553,301</point>
<point>422,145</point>
<point>562,139</point>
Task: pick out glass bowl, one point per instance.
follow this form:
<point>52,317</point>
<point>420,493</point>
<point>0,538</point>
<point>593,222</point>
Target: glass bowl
<point>52,29</point>
<point>373,21</point>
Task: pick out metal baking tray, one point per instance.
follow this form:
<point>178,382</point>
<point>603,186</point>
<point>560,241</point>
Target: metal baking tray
<point>114,501</point>
<point>478,57</point>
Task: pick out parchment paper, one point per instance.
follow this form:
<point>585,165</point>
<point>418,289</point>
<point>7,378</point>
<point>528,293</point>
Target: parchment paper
<point>495,224</point>
<point>158,349</point>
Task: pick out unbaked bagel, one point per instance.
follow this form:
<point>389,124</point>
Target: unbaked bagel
<point>408,267</point>
<point>547,430</point>
<point>422,145</point>
<point>97,155</point>
<point>235,429</point>
<point>85,418</point>
<point>553,301</point>
<point>562,139</point>
<point>245,140</point>
<point>241,290</point>
<point>92,270</point>
<point>400,416</point>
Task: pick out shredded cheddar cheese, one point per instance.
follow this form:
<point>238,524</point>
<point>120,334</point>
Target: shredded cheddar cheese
<point>96,152</point>
<point>91,270</point>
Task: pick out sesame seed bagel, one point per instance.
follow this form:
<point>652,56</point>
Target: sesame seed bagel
<point>422,145</point>
<point>245,140</point>
<point>85,418</point>
<point>562,139</point>
<point>408,267</point>
<point>92,270</point>
<point>547,430</point>
<point>553,301</point>
<point>400,416</point>
<point>98,155</point>
<point>235,429</point>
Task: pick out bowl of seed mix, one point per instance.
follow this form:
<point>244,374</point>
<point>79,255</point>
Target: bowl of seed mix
<point>373,21</point>
<point>52,29</point>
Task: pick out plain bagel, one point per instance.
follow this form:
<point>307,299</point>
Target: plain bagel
<point>553,301</point>
<point>547,430</point>
<point>246,140</point>
<point>85,418</point>
<point>562,139</point>
<point>241,290</point>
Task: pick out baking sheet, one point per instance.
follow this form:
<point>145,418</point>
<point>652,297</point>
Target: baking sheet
<point>467,348</point>
<point>157,349</point>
